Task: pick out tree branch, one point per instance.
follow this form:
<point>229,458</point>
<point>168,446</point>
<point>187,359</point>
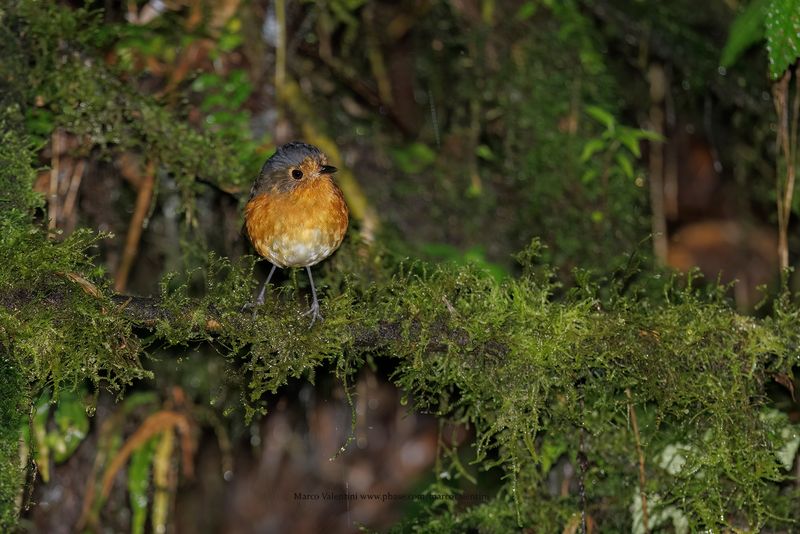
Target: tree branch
<point>147,311</point>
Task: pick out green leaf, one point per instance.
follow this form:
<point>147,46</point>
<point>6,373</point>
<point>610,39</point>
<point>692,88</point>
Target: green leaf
<point>413,158</point>
<point>783,35</point>
<point>138,482</point>
<point>39,424</point>
<point>477,256</point>
<point>602,116</point>
<point>72,425</point>
<point>206,81</point>
<point>39,122</point>
<point>484,152</point>
<point>630,139</point>
<point>649,135</point>
<point>625,164</point>
<point>137,399</point>
<point>525,11</point>
<point>215,100</point>
<point>591,148</point>
<point>551,451</point>
<point>230,41</point>
<point>589,176</point>
<point>746,30</point>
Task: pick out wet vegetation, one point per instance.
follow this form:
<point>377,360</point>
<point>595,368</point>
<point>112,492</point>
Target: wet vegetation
<point>522,176</point>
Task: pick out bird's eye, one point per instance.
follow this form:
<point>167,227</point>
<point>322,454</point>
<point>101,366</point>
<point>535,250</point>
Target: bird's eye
<point>297,174</point>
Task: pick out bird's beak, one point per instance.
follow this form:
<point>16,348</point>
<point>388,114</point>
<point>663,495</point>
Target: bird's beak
<point>327,169</point>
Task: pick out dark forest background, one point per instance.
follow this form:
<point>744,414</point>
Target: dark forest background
<point>566,301</point>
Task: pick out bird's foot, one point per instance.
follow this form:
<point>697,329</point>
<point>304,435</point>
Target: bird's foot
<point>314,313</point>
<point>251,306</point>
<point>259,301</point>
<point>254,305</point>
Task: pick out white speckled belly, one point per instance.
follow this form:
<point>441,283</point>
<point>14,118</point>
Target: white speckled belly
<point>286,251</point>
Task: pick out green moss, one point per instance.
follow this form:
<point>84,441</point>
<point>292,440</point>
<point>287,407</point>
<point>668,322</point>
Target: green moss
<point>696,370</point>
<point>14,401</point>
<point>52,330</point>
<point>60,333</point>
<point>61,81</point>
<point>527,371</point>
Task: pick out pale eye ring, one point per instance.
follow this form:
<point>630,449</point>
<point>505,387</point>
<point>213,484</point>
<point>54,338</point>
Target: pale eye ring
<point>297,174</point>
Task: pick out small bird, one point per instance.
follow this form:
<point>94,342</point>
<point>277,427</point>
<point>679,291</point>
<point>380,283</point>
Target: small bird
<point>296,215</point>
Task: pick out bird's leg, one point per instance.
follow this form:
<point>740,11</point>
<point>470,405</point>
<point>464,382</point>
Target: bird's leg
<point>314,311</point>
<point>260,299</point>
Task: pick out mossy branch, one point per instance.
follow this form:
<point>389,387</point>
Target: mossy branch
<point>504,357</point>
<point>152,312</point>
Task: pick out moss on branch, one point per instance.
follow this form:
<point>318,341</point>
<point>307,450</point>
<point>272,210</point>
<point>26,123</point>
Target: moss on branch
<point>512,362</point>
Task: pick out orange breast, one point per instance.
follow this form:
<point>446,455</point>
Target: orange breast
<point>299,228</point>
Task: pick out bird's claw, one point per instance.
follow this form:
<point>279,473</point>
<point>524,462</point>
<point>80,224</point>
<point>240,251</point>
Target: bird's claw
<point>249,305</point>
<point>254,305</point>
<point>314,313</point>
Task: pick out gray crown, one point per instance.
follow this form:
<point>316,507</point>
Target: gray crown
<point>290,155</point>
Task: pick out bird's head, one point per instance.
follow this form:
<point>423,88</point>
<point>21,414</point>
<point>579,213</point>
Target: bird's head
<point>293,165</point>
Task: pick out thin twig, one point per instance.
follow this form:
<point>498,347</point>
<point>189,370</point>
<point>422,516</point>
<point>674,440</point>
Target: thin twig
<point>52,196</point>
<point>669,151</point>
<point>658,84</point>
<point>143,199</point>
<point>74,186</point>
<point>153,425</point>
<point>163,480</point>
<point>583,465</point>
<point>157,423</point>
<point>785,142</point>
<point>187,60</point>
<point>280,47</point>
<point>642,478</point>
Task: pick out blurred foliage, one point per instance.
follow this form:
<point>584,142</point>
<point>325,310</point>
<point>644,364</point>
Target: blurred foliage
<point>776,20</point>
<point>62,84</point>
<point>542,361</point>
<point>475,255</point>
<point>746,30</point>
<point>71,426</point>
<point>508,122</point>
<point>783,35</point>
<point>618,148</point>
